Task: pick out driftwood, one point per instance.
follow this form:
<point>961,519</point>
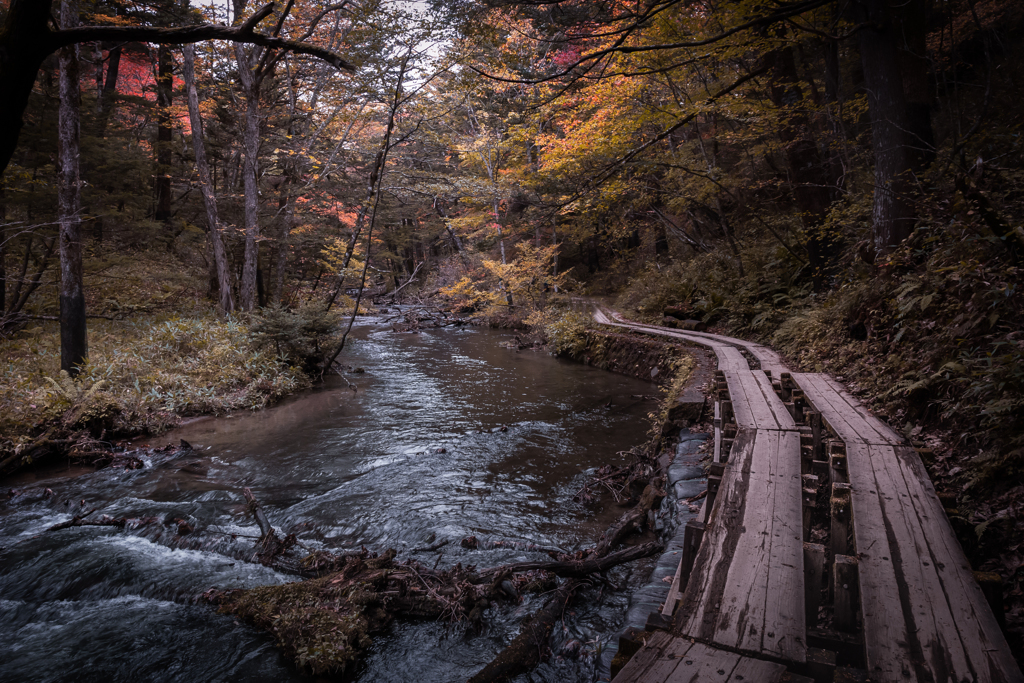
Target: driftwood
<point>579,569</point>
<point>529,647</point>
<point>106,520</point>
<point>352,597</point>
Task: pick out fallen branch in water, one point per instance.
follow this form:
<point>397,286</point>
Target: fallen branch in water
<point>326,623</point>
<point>105,520</point>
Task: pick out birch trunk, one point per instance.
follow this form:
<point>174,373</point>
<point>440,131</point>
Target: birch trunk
<point>74,348</point>
<point>225,300</point>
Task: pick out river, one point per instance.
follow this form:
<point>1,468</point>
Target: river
<point>445,434</point>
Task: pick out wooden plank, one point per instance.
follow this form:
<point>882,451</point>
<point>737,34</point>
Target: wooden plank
<point>924,616</point>
<point>644,659</point>
<point>884,431</point>
<point>704,664</point>
<point>984,644</point>
<point>746,591</point>
<point>845,415</point>
<point>668,661</point>
<point>755,403</point>
<point>730,358</point>
<point>762,413</point>
<point>750,670</point>
<point>785,623</point>
<point>743,407</point>
<point>673,592</point>
<point>775,404</point>
<point>839,415</point>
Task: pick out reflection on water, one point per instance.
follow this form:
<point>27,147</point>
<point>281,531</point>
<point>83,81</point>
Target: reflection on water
<point>446,434</point>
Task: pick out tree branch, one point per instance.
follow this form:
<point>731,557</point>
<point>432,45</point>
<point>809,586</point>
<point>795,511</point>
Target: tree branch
<point>243,33</point>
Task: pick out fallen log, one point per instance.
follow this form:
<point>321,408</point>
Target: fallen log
<point>105,520</point>
<point>578,569</point>
<point>530,646</point>
<point>635,518</point>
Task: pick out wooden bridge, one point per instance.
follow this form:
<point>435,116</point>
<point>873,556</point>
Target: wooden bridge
<point>885,594</point>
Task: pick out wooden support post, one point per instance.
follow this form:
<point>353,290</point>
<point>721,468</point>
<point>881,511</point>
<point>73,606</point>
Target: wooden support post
<point>814,417</point>
<point>842,515</point>
<point>799,403</point>
<point>821,469</point>
<point>714,483</point>
<point>786,380</point>
<point>716,469</point>
<point>718,415</point>
<point>820,665</point>
<point>726,412</point>
<point>845,589</point>
<point>837,461</point>
<point>810,500</point>
<point>814,568</point>
<point>730,431</point>
<point>806,452</point>
<point>693,534</point>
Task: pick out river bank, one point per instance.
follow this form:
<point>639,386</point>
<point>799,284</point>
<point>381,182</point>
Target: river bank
<point>415,456</point>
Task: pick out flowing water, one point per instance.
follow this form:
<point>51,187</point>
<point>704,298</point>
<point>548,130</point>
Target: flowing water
<point>445,434</point>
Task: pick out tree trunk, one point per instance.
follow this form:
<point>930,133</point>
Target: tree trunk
<point>813,187</point>
<point>250,176</point>
<point>74,348</point>
<point>912,20</point>
<point>287,210</point>
<point>164,94</point>
<point>220,259</point>
<point>3,251</point>
<point>109,93</point>
<point>21,54</point>
<point>892,214</point>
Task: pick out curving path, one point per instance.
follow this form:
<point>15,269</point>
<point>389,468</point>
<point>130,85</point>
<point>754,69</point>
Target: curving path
<point>888,596</point>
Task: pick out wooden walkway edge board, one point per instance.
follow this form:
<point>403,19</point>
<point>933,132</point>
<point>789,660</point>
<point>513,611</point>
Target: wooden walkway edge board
<point>678,660</point>
<point>925,617</point>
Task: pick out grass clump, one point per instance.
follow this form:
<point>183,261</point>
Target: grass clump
<point>142,375</point>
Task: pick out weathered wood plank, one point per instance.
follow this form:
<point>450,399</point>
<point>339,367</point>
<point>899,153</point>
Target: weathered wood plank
<point>751,670</point>
<point>774,403</point>
<point>635,668</point>
<point>924,617</point>
<point>755,403</point>
<point>667,661</point>
<point>785,622</point>
<point>884,431</point>
<point>704,664</point>
<point>730,358</point>
<point>984,645</point>
<point>845,415</point>
<point>747,588</point>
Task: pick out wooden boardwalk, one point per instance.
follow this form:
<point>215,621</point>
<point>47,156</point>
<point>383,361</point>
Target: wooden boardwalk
<point>903,603</point>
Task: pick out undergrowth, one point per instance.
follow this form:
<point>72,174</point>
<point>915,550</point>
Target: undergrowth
<point>142,374</point>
